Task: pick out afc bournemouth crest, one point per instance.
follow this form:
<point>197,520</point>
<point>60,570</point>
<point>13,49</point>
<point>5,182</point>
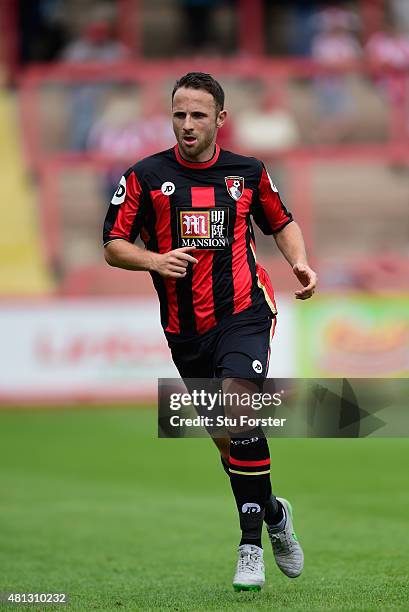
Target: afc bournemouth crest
<point>235,186</point>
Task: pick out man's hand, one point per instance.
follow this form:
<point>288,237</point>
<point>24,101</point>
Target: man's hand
<point>307,278</point>
<point>173,264</point>
<point>291,243</point>
<point>122,254</point>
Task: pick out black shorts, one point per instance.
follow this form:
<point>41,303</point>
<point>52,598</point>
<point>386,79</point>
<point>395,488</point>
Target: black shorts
<point>239,347</point>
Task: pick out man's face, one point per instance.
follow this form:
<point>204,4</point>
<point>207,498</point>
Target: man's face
<point>195,123</point>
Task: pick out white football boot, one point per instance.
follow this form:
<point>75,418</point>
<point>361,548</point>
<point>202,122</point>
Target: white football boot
<point>286,548</point>
<point>249,574</point>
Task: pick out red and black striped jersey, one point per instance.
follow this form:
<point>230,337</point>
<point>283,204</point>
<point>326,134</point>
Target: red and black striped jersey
<point>172,203</point>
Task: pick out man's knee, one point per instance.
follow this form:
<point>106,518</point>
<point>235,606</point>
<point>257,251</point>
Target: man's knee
<point>238,402</point>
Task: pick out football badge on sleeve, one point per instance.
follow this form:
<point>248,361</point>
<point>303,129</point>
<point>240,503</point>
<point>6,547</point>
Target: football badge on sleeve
<point>235,186</point>
<point>119,195</point>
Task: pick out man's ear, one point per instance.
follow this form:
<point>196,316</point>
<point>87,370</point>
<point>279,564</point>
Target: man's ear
<point>221,118</point>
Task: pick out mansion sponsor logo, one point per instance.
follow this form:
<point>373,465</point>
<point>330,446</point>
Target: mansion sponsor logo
<point>204,229</point>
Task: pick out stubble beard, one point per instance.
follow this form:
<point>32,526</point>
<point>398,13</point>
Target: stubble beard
<point>194,152</point>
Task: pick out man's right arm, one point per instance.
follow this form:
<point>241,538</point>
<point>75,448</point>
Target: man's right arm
<point>122,254</point>
<point>123,223</point>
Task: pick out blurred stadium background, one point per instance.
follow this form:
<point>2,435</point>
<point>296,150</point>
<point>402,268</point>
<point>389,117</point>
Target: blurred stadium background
<point>318,90</point>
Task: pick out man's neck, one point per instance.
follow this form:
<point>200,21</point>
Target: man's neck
<point>203,158</point>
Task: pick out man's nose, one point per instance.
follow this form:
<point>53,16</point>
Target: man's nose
<point>188,124</point>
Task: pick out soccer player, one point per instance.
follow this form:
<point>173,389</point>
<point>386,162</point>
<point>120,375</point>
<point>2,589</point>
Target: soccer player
<point>192,206</point>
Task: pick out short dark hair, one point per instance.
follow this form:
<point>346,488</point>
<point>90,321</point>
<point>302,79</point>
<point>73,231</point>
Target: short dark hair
<point>202,80</point>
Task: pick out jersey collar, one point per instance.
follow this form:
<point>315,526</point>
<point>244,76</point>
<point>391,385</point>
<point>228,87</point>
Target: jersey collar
<point>197,165</point>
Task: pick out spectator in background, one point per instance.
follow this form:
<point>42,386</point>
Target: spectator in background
<point>389,50</point>
<point>96,43</point>
<point>126,130</point>
<point>335,46</point>
<point>42,30</point>
<point>197,30</point>
<point>335,43</point>
<point>119,131</point>
<point>400,10</point>
<point>267,126</point>
<point>299,18</point>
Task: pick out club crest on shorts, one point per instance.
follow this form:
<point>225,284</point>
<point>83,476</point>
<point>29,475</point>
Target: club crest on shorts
<point>235,186</point>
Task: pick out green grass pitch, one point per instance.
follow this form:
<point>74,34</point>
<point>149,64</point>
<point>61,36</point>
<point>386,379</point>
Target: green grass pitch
<point>92,503</point>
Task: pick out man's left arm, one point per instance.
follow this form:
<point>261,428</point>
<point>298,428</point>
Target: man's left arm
<point>291,243</point>
<point>272,217</point>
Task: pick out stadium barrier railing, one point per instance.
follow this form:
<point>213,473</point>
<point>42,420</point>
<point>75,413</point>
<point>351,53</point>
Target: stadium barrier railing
<point>152,80</point>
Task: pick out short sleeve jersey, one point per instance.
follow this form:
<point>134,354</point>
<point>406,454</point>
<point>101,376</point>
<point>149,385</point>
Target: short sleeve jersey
<point>172,203</point>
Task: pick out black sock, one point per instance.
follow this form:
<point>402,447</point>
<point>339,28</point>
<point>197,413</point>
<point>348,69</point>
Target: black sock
<point>249,466</point>
<point>274,512</point>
